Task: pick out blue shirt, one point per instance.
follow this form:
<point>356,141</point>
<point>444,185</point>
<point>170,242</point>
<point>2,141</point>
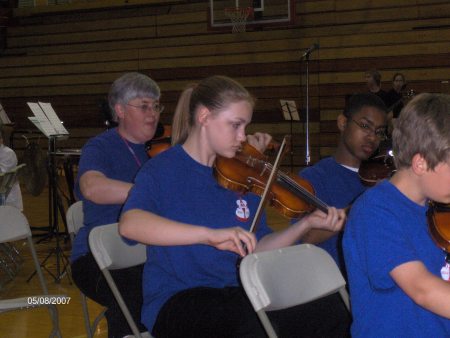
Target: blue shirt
<point>336,186</point>
<point>109,154</point>
<point>384,230</point>
<point>175,186</point>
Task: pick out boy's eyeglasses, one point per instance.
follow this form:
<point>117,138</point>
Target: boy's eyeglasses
<point>380,133</point>
<point>155,107</point>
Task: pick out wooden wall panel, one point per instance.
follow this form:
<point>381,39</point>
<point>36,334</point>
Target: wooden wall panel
<point>71,57</point>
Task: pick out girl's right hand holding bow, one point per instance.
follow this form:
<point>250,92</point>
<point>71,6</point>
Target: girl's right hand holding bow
<point>233,239</point>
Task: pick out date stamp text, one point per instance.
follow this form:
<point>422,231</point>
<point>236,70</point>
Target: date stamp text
<point>48,300</point>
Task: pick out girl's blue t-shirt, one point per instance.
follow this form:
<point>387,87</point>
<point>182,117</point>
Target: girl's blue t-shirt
<point>175,186</point>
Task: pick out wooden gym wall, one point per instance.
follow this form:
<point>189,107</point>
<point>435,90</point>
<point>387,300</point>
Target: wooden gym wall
<point>69,55</point>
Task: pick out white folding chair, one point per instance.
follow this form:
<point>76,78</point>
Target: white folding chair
<point>10,261</point>
<point>111,252</point>
<point>7,181</point>
<point>14,226</point>
<point>279,279</point>
<point>74,218</point>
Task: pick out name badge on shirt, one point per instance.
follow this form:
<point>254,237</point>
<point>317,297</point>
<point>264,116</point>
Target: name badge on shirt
<point>242,210</point>
<point>445,272</point>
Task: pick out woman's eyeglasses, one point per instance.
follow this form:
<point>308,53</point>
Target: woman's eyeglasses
<point>155,107</point>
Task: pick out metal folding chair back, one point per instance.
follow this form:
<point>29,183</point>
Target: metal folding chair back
<point>74,218</point>
<point>14,226</point>
<point>287,277</point>
<point>112,252</point>
<point>7,181</point>
<point>10,259</point>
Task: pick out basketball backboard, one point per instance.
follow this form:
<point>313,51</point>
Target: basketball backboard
<point>264,13</point>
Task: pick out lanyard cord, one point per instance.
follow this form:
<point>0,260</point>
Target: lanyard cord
<point>138,162</point>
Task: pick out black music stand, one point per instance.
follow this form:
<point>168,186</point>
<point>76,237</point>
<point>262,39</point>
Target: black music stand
<point>290,114</point>
<point>55,205</point>
<point>48,122</point>
<point>68,156</point>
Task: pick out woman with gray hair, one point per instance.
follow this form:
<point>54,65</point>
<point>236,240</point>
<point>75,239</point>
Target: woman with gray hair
<point>108,165</point>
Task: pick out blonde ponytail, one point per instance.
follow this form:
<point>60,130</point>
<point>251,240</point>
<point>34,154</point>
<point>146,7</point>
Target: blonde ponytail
<point>181,118</point>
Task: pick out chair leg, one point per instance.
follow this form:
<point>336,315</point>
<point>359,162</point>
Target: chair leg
<point>90,329</point>
<point>55,320</point>
<point>87,323</point>
<point>97,320</point>
<point>51,308</point>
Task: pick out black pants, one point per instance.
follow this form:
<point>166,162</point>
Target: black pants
<point>89,279</point>
<point>227,313</point>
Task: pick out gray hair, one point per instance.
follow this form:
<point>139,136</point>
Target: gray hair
<point>130,86</point>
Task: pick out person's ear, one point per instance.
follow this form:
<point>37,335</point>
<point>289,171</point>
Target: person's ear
<point>341,122</point>
<point>203,115</point>
<point>120,110</point>
<point>419,165</point>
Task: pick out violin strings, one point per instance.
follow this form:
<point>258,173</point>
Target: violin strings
<point>298,188</point>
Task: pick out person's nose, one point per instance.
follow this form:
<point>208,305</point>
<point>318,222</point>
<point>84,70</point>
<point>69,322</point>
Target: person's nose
<point>371,134</point>
<point>242,137</point>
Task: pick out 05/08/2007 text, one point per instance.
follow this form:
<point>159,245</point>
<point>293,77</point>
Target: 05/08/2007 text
<point>48,300</point>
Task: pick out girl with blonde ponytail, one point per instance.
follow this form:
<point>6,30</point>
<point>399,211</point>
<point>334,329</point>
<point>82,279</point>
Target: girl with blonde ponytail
<point>195,229</point>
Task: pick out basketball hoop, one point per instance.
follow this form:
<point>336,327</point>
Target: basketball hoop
<point>238,17</point>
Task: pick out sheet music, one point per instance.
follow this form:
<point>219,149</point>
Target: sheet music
<point>40,120</point>
<point>289,109</point>
<point>35,121</point>
<point>53,118</point>
<point>46,120</point>
<point>3,117</point>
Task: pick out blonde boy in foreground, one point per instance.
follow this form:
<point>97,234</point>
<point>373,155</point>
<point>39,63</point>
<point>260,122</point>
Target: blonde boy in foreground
<point>393,265</point>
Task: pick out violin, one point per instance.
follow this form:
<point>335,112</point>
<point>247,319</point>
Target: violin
<point>249,171</point>
<point>377,168</point>
<point>438,216</point>
<point>161,141</point>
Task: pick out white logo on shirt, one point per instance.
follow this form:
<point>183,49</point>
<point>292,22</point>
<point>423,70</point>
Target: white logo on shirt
<point>242,211</point>
<point>445,272</point>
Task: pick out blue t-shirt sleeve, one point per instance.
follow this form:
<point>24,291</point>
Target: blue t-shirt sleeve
<point>315,177</point>
<point>139,197</point>
<point>144,193</point>
<point>380,241</point>
<point>95,157</point>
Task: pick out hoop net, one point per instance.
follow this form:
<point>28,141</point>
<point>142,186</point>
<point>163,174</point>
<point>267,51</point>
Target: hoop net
<point>238,17</point>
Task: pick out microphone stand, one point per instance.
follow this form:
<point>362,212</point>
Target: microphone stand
<point>307,150</point>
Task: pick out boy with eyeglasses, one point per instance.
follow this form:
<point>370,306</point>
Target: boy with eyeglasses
<point>335,179</point>
<point>398,277</point>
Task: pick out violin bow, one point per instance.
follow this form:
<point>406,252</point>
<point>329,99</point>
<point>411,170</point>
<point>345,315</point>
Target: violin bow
<point>269,183</point>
